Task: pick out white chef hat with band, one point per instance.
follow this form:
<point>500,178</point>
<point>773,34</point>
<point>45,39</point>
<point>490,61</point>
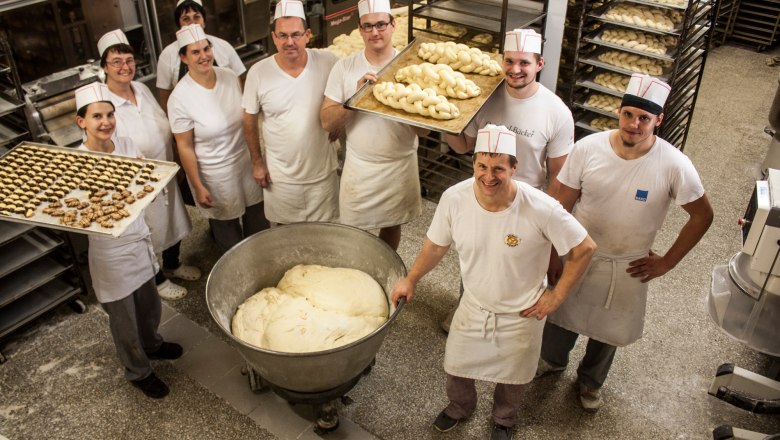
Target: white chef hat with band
<point>646,93</point>
<point>110,39</point>
<point>178,3</point>
<point>190,34</point>
<point>92,92</point>
<point>523,40</point>
<point>372,6</point>
<point>289,8</point>
<point>496,139</point>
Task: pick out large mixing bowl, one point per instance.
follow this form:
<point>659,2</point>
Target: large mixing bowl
<point>261,260</point>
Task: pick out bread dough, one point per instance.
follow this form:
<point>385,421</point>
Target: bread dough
<point>414,99</point>
<point>638,40</point>
<point>634,62</point>
<point>460,57</point>
<point>614,81</point>
<point>604,124</point>
<point>605,102</point>
<point>439,77</point>
<point>313,308</point>
<point>645,16</point>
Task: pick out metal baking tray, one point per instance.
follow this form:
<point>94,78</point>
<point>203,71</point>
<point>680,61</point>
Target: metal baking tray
<point>363,100</point>
<point>595,38</point>
<point>163,172</point>
<point>593,60</point>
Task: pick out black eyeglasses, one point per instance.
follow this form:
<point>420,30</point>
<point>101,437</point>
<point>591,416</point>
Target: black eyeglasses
<point>117,63</point>
<point>295,36</point>
<point>379,25</point>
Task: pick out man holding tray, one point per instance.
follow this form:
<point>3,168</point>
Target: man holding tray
<point>380,186</point>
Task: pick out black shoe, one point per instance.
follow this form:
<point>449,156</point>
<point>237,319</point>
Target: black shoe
<point>168,350</point>
<point>501,432</point>
<point>445,423</point>
<point>152,386</point>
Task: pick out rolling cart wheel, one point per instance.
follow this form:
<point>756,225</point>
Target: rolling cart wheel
<point>256,382</point>
<point>78,306</point>
<point>328,419</point>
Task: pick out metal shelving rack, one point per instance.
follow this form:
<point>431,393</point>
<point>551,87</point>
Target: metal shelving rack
<point>37,273</point>
<point>13,124</point>
<point>757,23</point>
<point>579,64</point>
<point>439,167</point>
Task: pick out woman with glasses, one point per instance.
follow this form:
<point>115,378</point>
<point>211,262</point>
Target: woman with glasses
<point>205,115</point>
<point>140,118</point>
<point>170,69</point>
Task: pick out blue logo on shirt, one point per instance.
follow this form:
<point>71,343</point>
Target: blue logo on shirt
<point>641,195</point>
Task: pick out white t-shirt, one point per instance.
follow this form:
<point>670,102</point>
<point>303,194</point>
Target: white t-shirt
<point>214,114</point>
<point>543,125</point>
<point>145,122</point>
<point>369,138</point>
<point>504,278</point>
<point>168,64</point>
<point>296,147</point>
<point>623,203</point>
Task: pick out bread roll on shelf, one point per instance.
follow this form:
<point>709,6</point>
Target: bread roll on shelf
<point>611,80</point>
<point>604,102</point>
<point>645,16</point>
<point>634,62</point>
<point>603,123</point>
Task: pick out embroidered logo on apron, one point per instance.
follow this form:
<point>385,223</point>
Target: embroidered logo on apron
<point>511,240</point>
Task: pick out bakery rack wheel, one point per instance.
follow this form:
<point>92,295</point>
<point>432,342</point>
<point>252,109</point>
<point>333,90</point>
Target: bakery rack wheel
<point>256,382</point>
<point>78,306</point>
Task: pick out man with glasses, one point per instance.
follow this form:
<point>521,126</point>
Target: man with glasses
<point>298,170</point>
<point>380,186</point>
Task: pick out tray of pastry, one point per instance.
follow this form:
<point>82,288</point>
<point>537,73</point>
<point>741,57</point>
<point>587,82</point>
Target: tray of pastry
<point>365,101</point>
<point>658,46</point>
<point>628,63</point>
<point>76,190</point>
<point>643,17</point>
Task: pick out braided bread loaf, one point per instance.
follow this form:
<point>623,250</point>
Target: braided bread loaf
<point>645,16</point>
<point>603,123</point>
<point>460,57</point>
<point>604,102</point>
<point>670,2</point>
<point>415,99</point>
<point>639,40</point>
<point>634,63</point>
<point>439,77</point>
<point>614,81</point>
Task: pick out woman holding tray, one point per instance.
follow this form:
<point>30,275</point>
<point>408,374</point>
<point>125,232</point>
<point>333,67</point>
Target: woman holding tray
<point>139,117</point>
<point>122,268</point>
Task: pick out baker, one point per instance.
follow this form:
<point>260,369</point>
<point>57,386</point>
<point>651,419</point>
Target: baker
<point>205,116</point>
<point>140,118</point>
<point>624,180</point>
<point>122,268</point>
<point>298,170</point>
<point>170,69</point>
<point>542,122</point>
<point>502,230</point>
<point>380,184</point>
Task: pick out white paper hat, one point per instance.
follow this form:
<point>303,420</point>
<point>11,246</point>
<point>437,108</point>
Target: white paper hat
<point>646,93</point>
<point>111,38</point>
<point>190,34</point>
<point>289,8</point>
<point>496,139</point>
<point>372,6</point>
<point>194,1</point>
<point>92,92</point>
<point>523,40</point>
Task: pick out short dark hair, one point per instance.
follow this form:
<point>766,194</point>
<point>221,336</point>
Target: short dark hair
<point>187,6</point>
<point>512,159</point>
<point>183,50</point>
<point>117,48</point>
<point>82,112</point>
<point>273,23</point>
<point>392,19</point>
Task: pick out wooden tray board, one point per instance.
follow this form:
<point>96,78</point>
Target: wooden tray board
<point>364,100</point>
<point>164,171</point>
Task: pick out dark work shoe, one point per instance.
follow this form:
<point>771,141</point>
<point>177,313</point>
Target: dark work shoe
<point>501,432</point>
<point>445,423</point>
<point>168,350</point>
<point>152,386</point>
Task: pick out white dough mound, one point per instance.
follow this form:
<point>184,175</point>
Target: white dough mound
<point>313,308</point>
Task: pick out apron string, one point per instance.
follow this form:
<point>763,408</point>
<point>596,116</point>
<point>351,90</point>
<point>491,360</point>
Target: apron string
<point>485,324</point>
<point>611,284</point>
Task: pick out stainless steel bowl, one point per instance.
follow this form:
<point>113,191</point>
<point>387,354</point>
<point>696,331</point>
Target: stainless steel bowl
<point>261,260</point>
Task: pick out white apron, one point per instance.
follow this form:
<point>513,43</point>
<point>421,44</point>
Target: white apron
<point>377,195</point>
<point>607,304</point>
<point>494,347</point>
<point>118,266</point>
<point>287,203</point>
<point>167,218</point>
<point>232,188</point>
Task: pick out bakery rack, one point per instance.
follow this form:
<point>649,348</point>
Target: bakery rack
<point>13,124</point>
<point>586,23</point>
<point>756,22</point>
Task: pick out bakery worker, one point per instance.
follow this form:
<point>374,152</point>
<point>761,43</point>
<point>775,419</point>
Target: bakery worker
<point>205,114</point>
<point>380,186</point>
<point>632,172</point>
<point>140,118</point>
<point>502,230</point>
<point>122,268</point>
<point>170,69</point>
<point>298,170</point>
<point>542,122</point>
